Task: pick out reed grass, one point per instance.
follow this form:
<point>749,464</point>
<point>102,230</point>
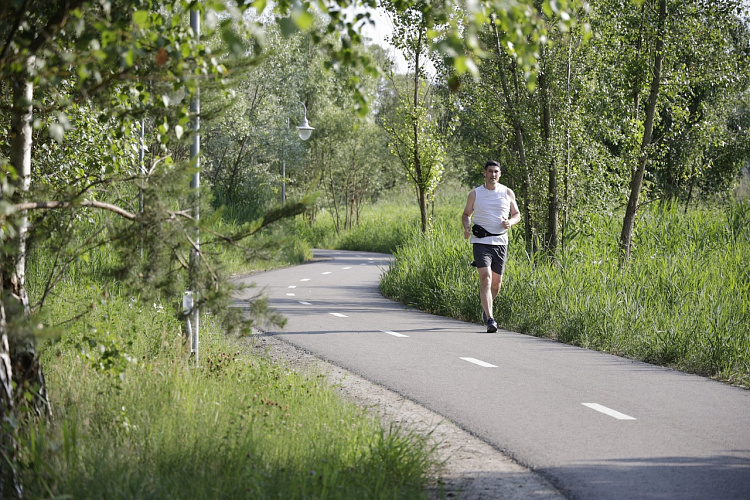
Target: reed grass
<point>683,300</point>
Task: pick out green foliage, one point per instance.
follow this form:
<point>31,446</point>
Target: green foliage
<point>705,92</point>
<point>416,140</point>
<point>683,300</point>
<point>104,72</point>
<point>452,28</point>
<point>595,90</point>
<point>350,163</point>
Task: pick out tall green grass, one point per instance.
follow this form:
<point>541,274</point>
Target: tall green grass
<point>383,226</point>
<point>134,418</point>
<point>683,301</point>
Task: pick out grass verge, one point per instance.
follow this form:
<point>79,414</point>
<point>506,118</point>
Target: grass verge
<point>134,418</point>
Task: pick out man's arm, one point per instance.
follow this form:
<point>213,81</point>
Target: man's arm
<point>515,214</point>
<point>466,216</point>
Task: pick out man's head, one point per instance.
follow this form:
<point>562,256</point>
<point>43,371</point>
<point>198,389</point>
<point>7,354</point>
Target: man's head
<point>491,173</point>
<point>491,163</point>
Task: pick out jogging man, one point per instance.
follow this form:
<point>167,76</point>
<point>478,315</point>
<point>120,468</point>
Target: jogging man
<point>494,210</point>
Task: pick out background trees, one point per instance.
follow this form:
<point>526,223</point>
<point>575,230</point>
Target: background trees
<point>527,127</point>
<point>411,121</point>
<point>656,92</point>
<point>628,113</point>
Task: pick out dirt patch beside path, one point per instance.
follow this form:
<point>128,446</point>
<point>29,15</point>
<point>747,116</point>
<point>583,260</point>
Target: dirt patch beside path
<point>472,469</point>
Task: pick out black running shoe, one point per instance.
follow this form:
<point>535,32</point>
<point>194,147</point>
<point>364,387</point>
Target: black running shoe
<point>491,326</point>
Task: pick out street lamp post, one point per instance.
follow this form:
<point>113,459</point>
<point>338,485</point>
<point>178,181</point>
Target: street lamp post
<point>304,131</point>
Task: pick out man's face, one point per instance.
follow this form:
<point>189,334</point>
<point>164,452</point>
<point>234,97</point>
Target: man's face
<point>492,173</point>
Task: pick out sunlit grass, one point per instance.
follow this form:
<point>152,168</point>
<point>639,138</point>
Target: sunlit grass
<point>153,425</point>
<point>385,225</point>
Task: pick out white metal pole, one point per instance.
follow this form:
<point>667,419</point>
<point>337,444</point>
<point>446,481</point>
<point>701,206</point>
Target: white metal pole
<point>195,149</point>
<point>141,156</point>
<point>283,163</point>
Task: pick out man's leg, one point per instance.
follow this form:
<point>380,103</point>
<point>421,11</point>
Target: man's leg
<point>485,290</point>
<point>497,282</point>
<point>489,286</point>
<point>497,268</point>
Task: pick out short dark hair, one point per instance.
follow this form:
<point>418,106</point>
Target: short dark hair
<point>491,163</point>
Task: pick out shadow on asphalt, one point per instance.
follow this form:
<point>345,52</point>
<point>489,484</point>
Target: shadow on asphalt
<point>679,478</point>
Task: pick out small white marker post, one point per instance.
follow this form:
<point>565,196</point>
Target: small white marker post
<point>192,333</point>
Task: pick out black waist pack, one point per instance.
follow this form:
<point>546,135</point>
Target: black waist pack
<point>481,232</point>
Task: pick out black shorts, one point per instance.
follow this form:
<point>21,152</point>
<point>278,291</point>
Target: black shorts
<point>492,256</point>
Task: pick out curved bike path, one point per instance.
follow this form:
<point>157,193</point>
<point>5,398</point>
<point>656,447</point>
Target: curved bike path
<point>595,425</point>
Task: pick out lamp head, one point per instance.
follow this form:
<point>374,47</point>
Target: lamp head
<point>305,130</point>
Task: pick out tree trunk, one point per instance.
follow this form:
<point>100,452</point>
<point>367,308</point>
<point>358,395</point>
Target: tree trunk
<point>232,187</point>
<point>27,371</point>
<point>20,371</point>
<point>637,82</point>
<point>333,204</point>
<point>636,181</point>
<point>8,442</point>
<point>551,239</point>
<point>20,158</point>
<point>421,195</point>
<point>512,111</point>
<point>566,174</point>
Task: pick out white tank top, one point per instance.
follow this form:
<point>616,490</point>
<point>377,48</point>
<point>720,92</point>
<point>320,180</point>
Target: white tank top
<point>490,208</point>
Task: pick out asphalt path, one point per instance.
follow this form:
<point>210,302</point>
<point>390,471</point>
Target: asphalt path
<point>596,426</point>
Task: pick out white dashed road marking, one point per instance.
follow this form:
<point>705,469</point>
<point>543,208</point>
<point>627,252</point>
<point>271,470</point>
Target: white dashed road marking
<point>290,295</point>
<point>304,303</point>
<point>608,411</point>
<point>395,334</point>
<point>292,286</point>
<point>305,279</point>
<point>480,363</point>
<point>327,272</point>
<point>347,267</point>
<point>339,315</point>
